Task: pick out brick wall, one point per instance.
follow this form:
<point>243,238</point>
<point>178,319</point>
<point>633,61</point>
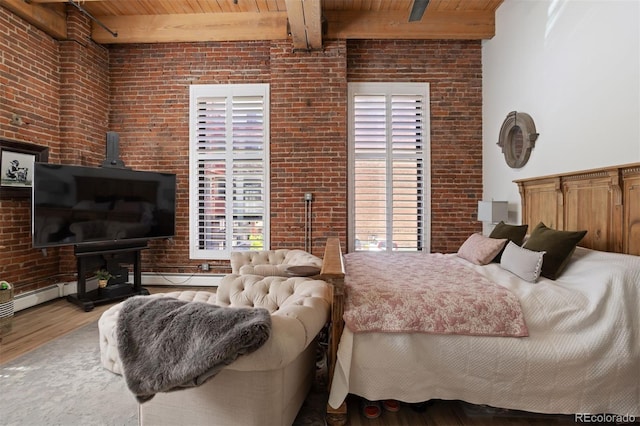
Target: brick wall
<point>29,82</point>
<point>150,111</point>
<point>84,94</point>
<point>84,104</point>
<point>453,70</point>
<point>60,89</point>
<point>308,144</point>
<point>141,92</point>
<point>308,126</point>
<point>29,78</point>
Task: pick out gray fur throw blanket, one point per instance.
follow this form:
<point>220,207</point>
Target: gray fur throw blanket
<point>167,344</point>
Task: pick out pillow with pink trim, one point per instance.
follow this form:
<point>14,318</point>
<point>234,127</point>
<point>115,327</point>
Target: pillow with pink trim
<point>481,250</point>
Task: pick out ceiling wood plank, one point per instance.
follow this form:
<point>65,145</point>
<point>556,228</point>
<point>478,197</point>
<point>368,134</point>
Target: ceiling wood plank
<point>240,26</point>
<point>470,25</point>
<point>49,20</point>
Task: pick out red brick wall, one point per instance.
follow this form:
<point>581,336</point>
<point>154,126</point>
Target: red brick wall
<point>308,144</point>
<point>60,89</point>
<point>453,70</point>
<point>141,92</point>
<point>29,78</point>
<point>29,87</point>
<point>84,104</point>
<point>308,125</point>
<point>149,109</point>
<point>84,94</point>
<point>150,112</point>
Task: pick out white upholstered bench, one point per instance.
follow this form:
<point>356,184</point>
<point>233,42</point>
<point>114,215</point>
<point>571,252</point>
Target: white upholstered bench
<point>267,386</point>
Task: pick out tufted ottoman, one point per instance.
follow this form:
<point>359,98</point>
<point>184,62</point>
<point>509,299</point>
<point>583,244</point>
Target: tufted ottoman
<point>267,386</point>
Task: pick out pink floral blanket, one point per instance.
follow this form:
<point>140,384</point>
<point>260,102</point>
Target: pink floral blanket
<point>428,293</point>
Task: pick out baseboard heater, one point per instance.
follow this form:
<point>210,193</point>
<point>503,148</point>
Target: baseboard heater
<point>42,295</point>
<point>32,298</point>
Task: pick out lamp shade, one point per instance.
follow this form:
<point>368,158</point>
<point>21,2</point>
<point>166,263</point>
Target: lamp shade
<point>493,211</point>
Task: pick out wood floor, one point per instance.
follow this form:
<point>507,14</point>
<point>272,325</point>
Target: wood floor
<point>33,327</point>
<point>40,324</point>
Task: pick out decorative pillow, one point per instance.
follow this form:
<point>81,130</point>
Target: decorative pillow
<point>303,271</point>
<point>479,249</point>
<point>515,233</point>
<point>270,270</point>
<point>527,264</point>
<point>559,246</point>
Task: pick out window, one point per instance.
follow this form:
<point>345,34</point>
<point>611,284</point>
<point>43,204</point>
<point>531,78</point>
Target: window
<point>389,177</point>
<point>228,164</point>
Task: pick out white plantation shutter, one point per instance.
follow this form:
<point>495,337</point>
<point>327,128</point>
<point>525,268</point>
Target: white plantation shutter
<point>389,185</point>
<point>229,188</point>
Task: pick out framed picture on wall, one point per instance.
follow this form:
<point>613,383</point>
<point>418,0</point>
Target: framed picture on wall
<point>16,167</point>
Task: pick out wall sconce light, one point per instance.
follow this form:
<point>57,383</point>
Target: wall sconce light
<point>493,211</point>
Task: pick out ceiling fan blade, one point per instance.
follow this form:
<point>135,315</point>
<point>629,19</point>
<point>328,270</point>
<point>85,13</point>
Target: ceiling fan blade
<point>419,6</point>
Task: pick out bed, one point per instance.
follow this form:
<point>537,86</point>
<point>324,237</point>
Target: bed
<point>581,349</point>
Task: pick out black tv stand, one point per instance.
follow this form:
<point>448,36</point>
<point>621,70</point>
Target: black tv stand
<point>107,256</point>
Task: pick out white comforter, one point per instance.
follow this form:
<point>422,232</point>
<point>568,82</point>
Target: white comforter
<point>582,354</point>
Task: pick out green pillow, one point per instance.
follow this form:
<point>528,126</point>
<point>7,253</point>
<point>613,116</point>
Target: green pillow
<point>559,246</point>
<point>513,233</point>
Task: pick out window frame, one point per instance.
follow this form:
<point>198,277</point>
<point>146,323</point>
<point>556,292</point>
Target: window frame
<point>228,91</point>
<point>389,89</point>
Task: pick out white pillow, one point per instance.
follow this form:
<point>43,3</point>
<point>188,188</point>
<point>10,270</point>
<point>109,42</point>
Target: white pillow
<point>479,249</point>
<point>525,263</point>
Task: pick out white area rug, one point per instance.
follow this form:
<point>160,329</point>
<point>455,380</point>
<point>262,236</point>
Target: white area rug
<point>63,383</point>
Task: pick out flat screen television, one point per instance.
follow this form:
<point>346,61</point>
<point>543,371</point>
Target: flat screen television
<point>78,205</point>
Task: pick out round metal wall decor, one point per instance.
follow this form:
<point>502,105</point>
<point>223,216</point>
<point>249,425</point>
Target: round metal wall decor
<point>517,138</point>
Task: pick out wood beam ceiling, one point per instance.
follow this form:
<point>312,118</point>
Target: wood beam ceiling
<point>305,26</point>
<point>51,20</point>
<point>186,27</point>
<point>471,25</point>
<point>302,20</point>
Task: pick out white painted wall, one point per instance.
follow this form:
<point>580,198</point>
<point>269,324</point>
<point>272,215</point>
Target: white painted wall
<point>574,66</point>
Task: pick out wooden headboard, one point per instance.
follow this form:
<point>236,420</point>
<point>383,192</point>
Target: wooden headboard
<point>605,202</point>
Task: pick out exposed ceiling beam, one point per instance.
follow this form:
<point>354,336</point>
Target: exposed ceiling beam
<point>305,23</point>
<point>50,20</point>
<point>240,26</point>
<point>305,19</point>
<point>469,25</point>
